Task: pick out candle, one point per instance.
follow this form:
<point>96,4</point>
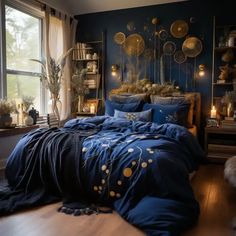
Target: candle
<point>92,108</point>
<point>213,112</point>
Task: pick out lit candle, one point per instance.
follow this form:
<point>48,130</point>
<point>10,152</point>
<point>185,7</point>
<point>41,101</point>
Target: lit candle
<point>92,108</point>
<point>213,112</point>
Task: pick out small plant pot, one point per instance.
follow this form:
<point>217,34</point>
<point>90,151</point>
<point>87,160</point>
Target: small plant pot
<point>5,121</point>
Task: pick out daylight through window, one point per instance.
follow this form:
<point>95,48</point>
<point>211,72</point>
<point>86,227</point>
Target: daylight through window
<point>23,42</point>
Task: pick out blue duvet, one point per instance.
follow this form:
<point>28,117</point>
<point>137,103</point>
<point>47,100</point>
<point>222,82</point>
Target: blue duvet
<point>138,169</point>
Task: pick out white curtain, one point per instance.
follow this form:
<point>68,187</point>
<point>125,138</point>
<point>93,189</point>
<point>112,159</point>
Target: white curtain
<point>60,32</point>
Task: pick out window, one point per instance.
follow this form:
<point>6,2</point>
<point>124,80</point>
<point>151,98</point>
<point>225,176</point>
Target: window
<point>23,41</point>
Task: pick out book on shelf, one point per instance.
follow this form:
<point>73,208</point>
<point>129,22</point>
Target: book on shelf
<point>221,81</point>
<point>228,118</point>
<point>228,123</point>
<point>81,49</point>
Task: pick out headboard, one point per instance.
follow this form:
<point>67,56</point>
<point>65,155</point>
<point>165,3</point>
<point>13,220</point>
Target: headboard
<point>193,97</point>
<point>197,109</point>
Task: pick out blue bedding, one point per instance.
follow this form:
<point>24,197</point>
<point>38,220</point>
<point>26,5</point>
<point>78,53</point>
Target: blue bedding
<point>138,169</point>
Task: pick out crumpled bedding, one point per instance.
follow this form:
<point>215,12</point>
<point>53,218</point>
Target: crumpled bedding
<point>139,169</point>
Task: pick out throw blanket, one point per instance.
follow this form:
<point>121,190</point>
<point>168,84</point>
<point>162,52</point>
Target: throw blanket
<point>139,169</point>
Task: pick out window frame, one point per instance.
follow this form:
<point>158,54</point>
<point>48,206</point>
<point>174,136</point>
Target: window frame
<point>36,13</point>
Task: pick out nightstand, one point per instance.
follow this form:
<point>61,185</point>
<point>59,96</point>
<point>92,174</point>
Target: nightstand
<point>220,143</point>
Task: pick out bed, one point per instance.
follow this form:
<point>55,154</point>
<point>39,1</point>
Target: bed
<point>136,167</point>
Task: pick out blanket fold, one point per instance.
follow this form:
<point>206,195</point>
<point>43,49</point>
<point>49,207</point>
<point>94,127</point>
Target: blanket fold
<point>138,169</point>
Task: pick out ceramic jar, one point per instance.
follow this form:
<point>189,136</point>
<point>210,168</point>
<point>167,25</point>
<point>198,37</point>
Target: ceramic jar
<point>28,120</point>
<point>5,121</point>
<point>232,38</point>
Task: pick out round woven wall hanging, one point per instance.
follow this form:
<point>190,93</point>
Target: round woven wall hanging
<point>192,47</point>
<point>179,29</point>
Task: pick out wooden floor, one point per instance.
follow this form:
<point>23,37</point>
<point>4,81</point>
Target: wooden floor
<point>216,197</point>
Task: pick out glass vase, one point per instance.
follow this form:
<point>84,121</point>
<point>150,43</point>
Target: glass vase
<point>80,103</point>
<point>230,109</point>
<point>56,107</point>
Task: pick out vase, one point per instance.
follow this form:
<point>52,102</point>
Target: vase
<point>230,109</point>
<point>28,120</point>
<point>80,103</point>
<point>56,107</point>
<point>5,121</point>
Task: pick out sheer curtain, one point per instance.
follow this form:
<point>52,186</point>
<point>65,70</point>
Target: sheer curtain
<point>60,32</point>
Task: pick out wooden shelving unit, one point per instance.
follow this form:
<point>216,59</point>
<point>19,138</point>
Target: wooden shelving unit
<point>220,143</point>
<point>95,80</point>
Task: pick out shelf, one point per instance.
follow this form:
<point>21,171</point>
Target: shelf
<point>86,59</point>
<point>95,65</point>
<point>81,49</point>
<point>227,83</point>
<point>220,143</point>
<point>85,114</point>
<point>220,148</point>
<point>17,130</point>
<point>222,49</point>
<point>218,88</point>
<point>92,73</point>
<point>218,157</point>
<point>98,41</point>
<point>224,26</point>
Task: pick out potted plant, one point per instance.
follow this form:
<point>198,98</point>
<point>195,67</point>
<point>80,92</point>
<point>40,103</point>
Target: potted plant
<point>6,108</point>
<point>80,88</point>
<point>230,100</point>
<point>27,101</point>
<point>51,78</point>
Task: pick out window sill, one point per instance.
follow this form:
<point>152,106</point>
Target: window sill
<point>17,130</point>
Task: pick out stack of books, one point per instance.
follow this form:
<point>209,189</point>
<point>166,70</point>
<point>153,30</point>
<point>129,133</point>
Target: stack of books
<point>229,122</point>
<point>81,49</point>
<point>90,83</point>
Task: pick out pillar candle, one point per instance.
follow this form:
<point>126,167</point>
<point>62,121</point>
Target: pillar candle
<point>213,112</point>
<point>92,108</point>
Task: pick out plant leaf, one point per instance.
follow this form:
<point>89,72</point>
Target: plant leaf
<point>62,58</point>
<point>42,64</point>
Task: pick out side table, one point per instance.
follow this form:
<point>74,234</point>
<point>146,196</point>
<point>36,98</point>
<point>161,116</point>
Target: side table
<point>220,143</point>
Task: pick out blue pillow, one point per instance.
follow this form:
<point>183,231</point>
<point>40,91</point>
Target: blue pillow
<point>176,113</point>
<point>129,98</point>
<point>145,116</point>
<point>130,107</point>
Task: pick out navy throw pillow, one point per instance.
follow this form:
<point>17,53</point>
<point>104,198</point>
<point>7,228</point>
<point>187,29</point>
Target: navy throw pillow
<point>175,114</point>
<point>129,107</point>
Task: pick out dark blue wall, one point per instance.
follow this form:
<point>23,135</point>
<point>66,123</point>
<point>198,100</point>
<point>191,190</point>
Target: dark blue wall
<point>90,27</point>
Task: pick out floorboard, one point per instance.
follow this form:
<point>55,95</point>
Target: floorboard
<point>216,197</point>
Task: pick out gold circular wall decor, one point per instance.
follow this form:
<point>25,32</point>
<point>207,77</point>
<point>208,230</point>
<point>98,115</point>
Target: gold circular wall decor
<point>169,48</point>
<point>180,57</point>
<point>134,45</point>
<point>131,26</point>
<point>119,38</point>
<point>179,29</point>
<point>163,34</point>
<point>192,47</point>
